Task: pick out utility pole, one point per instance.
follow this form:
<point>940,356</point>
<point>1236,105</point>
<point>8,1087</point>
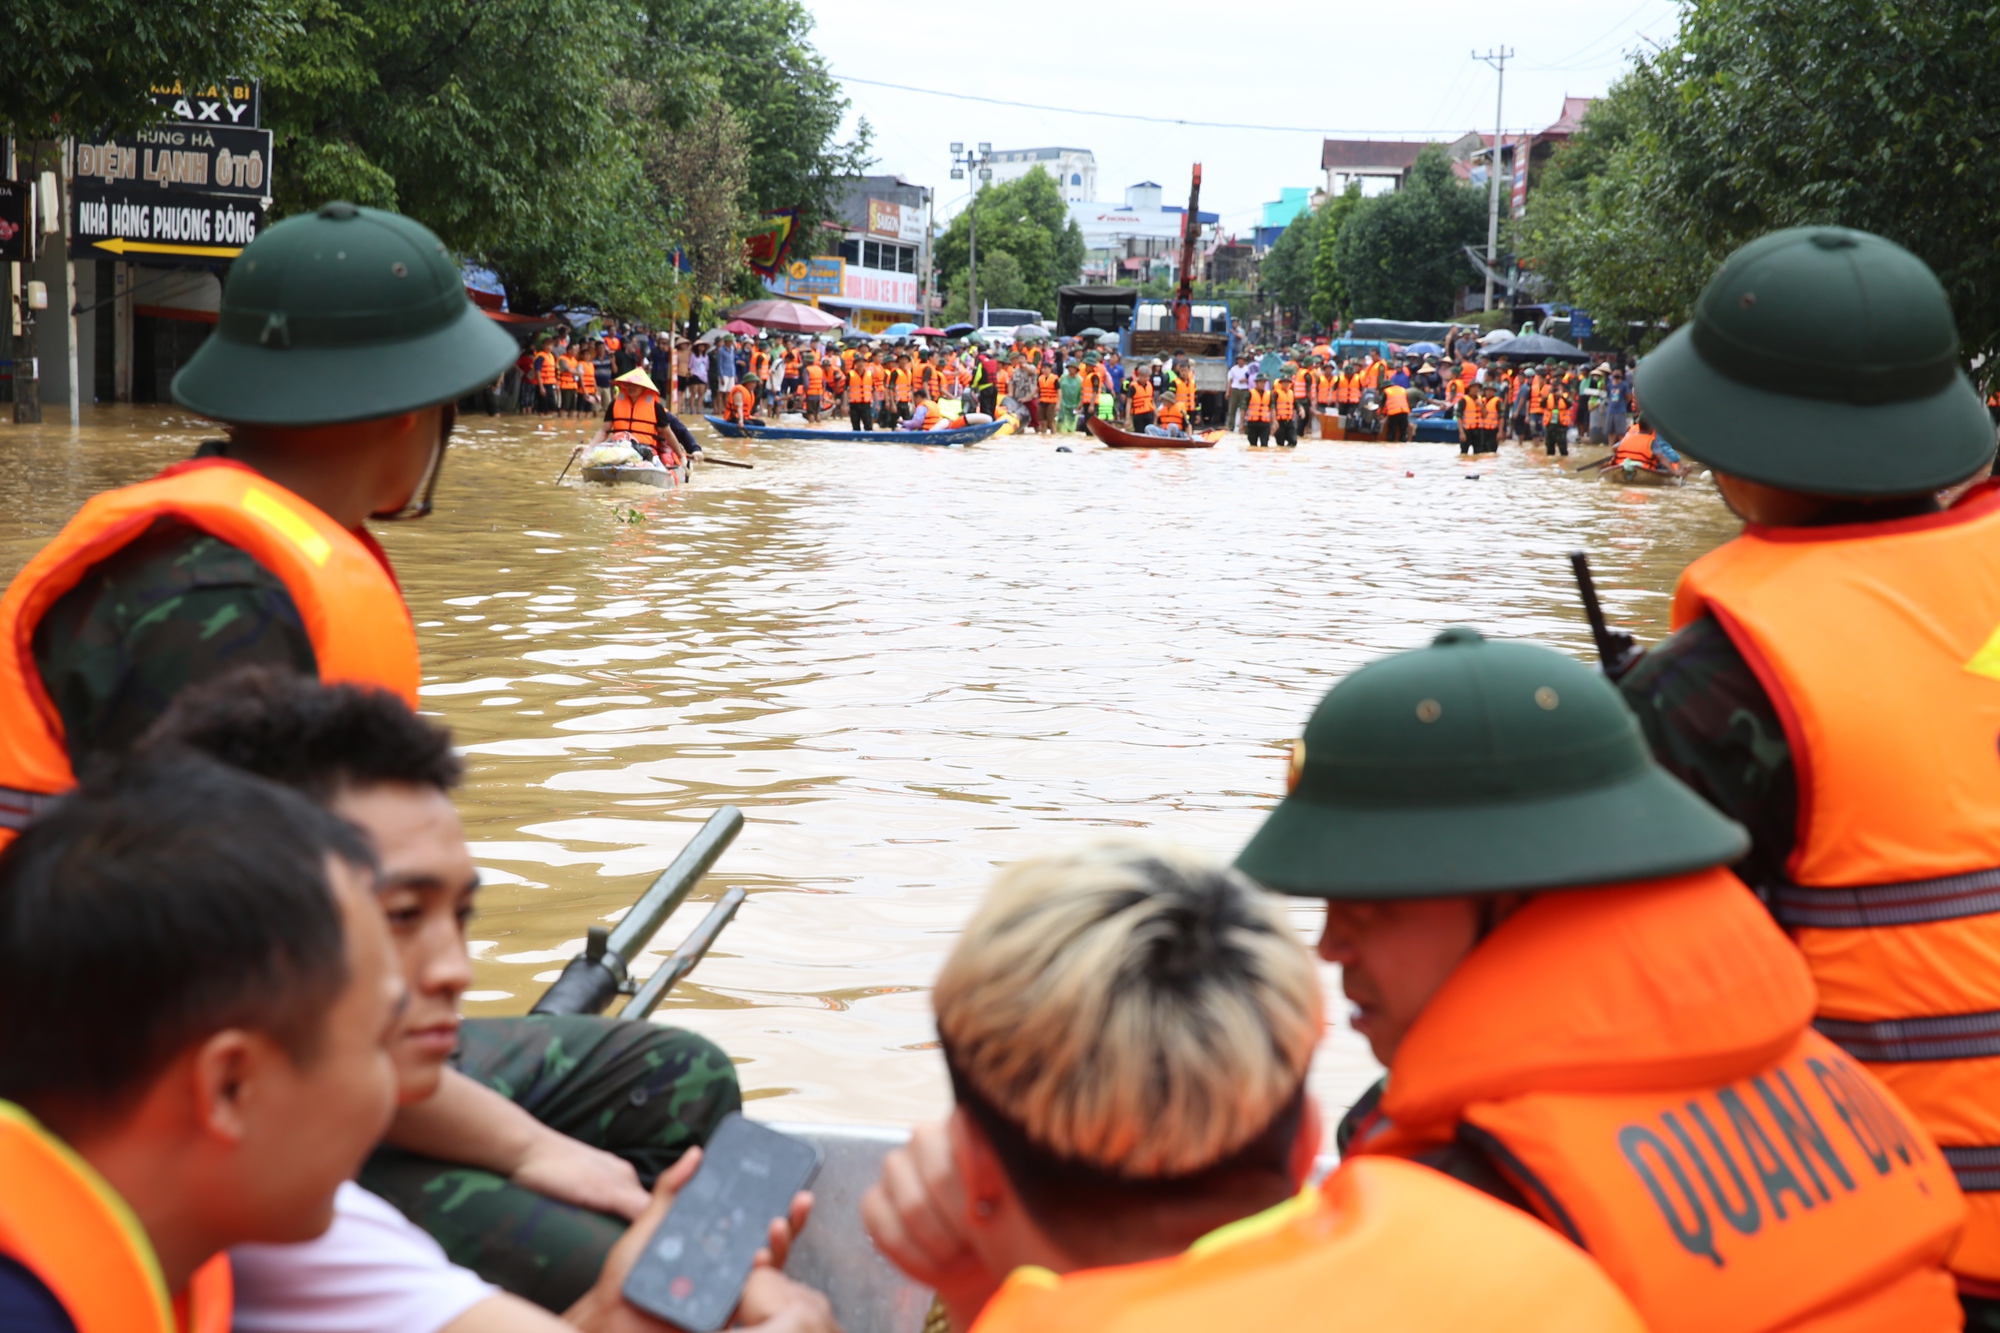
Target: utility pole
<point>1497,59</point>
<point>977,168</point>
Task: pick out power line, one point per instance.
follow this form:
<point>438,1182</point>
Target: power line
<point>1126,115</point>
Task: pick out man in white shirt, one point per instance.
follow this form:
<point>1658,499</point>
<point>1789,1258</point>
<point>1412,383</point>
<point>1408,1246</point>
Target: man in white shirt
<point>370,760</point>
<point>1240,376</point>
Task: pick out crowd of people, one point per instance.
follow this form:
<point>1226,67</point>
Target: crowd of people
<point>1680,969</point>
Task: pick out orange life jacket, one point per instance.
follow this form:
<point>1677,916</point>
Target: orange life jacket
<point>586,374</point>
<point>1879,645</point>
<point>736,404</point>
<point>1489,412</point>
<point>1089,374</point>
<point>900,379</point>
<point>1048,388</point>
<point>566,372</point>
<point>1142,396</point>
<point>545,369</point>
<point>1259,407</point>
<point>1395,401</point>
<point>1322,387</point>
<point>1184,392</point>
<point>1636,445</point>
<point>341,583</point>
<point>860,384</point>
<point>1281,400</point>
<point>612,343</point>
<point>64,1223</point>
<point>1389,1245</point>
<point>1371,375</point>
<point>1172,413</point>
<point>638,417</point>
<point>815,380</point>
<point>1637,1060</point>
<point>1349,390</point>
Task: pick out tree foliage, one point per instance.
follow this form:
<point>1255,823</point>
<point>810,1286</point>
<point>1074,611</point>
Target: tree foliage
<point>1402,255</point>
<point>1027,219</point>
<point>1329,292</point>
<point>1775,113</point>
<point>1287,271</point>
<point>757,57</point>
<point>702,172</point>
<point>68,67</point>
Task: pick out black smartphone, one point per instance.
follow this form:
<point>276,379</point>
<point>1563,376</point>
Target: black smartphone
<point>693,1269</point>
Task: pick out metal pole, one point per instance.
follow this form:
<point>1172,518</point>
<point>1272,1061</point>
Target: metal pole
<point>1499,62</point>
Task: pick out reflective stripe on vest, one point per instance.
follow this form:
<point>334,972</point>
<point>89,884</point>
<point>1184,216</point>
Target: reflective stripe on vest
<point>1394,1245</point>
<point>61,1221</point>
<point>1879,646</point>
<point>346,597</point>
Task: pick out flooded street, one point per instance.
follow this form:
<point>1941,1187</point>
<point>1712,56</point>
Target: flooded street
<point>909,666</point>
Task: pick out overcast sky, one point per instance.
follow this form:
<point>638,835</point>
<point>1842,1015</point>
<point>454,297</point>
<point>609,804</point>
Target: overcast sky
<point>1310,70</point>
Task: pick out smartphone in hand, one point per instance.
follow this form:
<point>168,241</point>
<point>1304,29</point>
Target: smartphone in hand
<point>693,1269</point>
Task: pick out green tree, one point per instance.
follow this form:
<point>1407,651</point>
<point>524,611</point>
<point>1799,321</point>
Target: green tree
<point>1001,283</point>
<point>1775,113</point>
<point>1401,255</point>
<point>494,122</point>
<point>1028,220</point>
<point>702,171</point>
<point>757,56</point>
<point>89,68</point>
<point>1287,271</point>
<point>1329,293</point>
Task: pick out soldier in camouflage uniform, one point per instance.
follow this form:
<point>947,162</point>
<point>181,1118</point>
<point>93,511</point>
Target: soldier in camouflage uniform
<point>343,341</point>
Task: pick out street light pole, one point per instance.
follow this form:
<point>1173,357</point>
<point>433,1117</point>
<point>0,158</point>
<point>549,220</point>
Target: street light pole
<point>1497,59</point>
<point>977,167</point>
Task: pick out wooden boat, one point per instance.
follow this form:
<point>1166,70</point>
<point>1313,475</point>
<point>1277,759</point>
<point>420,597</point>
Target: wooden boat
<point>1125,439</point>
<point>944,438</point>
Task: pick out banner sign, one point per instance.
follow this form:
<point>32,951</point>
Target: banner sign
<point>822,275</point>
<point>114,223</point>
<point>13,220</point>
<point>182,157</point>
<point>1581,325</point>
<point>237,103</point>
<point>769,238</point>
<point>896,222</point>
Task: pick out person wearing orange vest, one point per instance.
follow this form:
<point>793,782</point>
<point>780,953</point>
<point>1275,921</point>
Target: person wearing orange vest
<point>1171,414</point>
<point>1139,393</point>
<point>814,380</point>
<point>1395,412</point>
<point>738,404</point>
<point>1831,681</point>
<point>1257,410</point>
<point>547,401</point>
<point>1048,391</point>
<point>1284,420</point>
<point>254,551</point>
<point>1132,1130</point>
<point>586,379</point>
<point>860,393</point>
<point>565,380</point>
<point>638,414</point>
<point>1603,1028</point>
<point>171,1091</point>
<point>1640,446</point>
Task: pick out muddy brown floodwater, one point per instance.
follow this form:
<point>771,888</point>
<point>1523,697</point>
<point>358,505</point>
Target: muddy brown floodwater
<point>909,666</point>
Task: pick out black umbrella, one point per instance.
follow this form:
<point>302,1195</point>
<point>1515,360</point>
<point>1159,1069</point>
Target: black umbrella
<point>1536,347</point>
<point>958,330</point>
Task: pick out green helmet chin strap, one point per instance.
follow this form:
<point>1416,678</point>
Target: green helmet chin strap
<point>419,503</point>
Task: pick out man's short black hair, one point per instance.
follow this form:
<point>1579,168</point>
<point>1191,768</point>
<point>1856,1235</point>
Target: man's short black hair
<point>168,898</point>
<point>317,738</point>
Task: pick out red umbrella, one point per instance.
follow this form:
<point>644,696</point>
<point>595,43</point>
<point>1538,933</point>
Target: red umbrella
<point>928,332</point>
<point>786,317</point>
<point>741,328</point>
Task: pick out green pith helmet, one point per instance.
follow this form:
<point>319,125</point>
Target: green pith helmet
<point>1822,360</point>
<point>344,314</point>
<point>1478,767</point>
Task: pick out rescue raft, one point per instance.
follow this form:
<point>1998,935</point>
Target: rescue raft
<point>1125,439</point>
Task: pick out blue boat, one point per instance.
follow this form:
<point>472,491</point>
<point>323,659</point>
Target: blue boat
<point>1433,427</point>
<point>946,438</point>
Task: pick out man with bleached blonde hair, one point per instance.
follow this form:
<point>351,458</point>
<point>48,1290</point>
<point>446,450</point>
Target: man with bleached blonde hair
<point>1128,1030</point>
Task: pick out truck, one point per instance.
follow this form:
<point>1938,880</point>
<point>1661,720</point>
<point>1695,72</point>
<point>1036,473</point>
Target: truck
<point>1143,328</point>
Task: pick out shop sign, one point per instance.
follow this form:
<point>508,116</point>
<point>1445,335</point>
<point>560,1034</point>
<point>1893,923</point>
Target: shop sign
<point>822,275</point>
<point>891,291</point>
<point>897,222</point>
<point>114,223</point>
<point>182,157</point>
<point>235,102</point>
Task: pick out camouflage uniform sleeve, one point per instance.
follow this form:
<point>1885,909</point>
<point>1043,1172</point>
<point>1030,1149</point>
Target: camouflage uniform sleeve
<point>1709,720</point>
<point>175,607</point>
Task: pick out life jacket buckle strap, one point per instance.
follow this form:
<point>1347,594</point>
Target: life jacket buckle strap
<point>19,808</point>
<point>1907,903</point>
